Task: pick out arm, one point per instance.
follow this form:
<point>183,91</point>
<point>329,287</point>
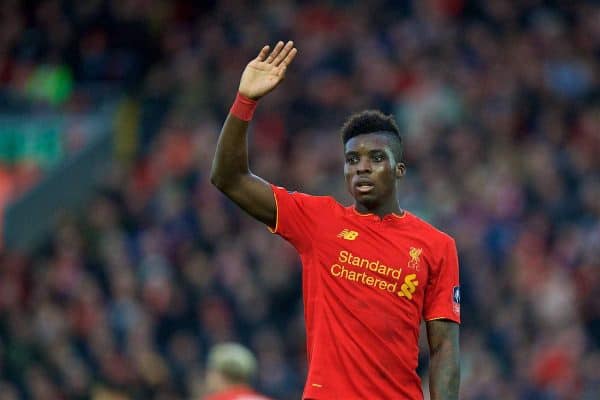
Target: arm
<point>444,371</point>
<point>230,171</point>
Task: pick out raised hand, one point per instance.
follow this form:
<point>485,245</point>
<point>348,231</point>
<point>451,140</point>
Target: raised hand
<point>266,71</point>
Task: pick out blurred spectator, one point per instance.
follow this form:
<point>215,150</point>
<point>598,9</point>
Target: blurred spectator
<point>500,103</point>
<point>230,369</point>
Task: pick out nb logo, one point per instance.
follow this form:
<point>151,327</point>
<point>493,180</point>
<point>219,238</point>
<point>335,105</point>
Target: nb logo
<point>408,287</point>
<point>348,234</point>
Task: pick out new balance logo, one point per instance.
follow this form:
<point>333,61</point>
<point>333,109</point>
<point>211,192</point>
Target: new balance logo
<point>348,234</point>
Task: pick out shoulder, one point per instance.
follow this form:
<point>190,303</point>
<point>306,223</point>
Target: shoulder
<point>433,234</point>
<point>305,198</point>
<point>237,393</point>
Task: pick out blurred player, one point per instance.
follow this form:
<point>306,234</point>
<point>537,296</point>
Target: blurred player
<point>229,370</point>
<point>371,271</point>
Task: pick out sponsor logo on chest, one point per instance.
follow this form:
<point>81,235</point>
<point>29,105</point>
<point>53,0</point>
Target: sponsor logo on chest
<point>348,234</point>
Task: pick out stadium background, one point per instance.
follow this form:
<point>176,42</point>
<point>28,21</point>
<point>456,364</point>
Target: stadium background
<point>121,298</point>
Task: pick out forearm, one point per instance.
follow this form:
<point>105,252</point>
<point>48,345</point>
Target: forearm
<point>260,76</point>
<point>230,172</point>
<point>444,364</point>
<point>231,156</point>
<point>444,374</point>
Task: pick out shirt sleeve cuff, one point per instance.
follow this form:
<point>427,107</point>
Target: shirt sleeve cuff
<point>276,228</point>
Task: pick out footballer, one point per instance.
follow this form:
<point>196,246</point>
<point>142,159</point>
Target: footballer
<point>372,271</point>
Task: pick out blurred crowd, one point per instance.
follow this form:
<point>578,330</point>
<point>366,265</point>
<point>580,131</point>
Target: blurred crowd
<point>500,105</point>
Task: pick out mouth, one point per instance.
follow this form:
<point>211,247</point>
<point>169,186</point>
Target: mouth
<point>364,187</point>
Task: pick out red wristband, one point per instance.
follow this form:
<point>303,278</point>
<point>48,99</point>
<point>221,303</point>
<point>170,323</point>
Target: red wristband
<point>243,107</point>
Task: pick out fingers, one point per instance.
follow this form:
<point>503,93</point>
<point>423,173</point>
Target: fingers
<point>275,52</point>
<point>283,53</point>
<point>263,53</point>
<point>281,71</point>
<point>290,57</point>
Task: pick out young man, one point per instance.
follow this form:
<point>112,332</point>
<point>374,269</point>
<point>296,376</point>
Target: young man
<point>370,271</point>
<point>229,370</point>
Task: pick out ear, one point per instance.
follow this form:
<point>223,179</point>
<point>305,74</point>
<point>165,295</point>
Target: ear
<point>400,170</point>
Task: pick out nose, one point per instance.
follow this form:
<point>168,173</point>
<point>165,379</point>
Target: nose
<point>363,166</point>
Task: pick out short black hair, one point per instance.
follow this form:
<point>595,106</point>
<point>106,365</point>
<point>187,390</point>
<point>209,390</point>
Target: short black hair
<point>373,121</point>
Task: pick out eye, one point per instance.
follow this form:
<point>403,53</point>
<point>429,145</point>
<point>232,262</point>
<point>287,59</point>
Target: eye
<point>378,157</point>
<point>352,159</point>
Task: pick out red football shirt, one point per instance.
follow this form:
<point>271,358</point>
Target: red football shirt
<point>237,393</point>
<point>367,282</point>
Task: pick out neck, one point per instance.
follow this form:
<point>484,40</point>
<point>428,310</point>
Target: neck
<point>380,210</point>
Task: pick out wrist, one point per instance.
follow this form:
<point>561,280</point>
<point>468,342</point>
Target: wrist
<point>243,107</point>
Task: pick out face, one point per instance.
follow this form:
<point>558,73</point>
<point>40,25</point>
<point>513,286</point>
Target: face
<point>371,170</point>
<point>214,381</point>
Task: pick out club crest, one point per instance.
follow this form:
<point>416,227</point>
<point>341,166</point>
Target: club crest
<point>415,258</point>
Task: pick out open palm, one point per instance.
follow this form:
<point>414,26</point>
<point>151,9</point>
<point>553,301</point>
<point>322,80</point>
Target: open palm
<point>266,71</point>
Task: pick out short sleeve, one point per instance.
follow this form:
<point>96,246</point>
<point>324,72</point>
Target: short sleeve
<point>298,216</point>
<point>442,297</point>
